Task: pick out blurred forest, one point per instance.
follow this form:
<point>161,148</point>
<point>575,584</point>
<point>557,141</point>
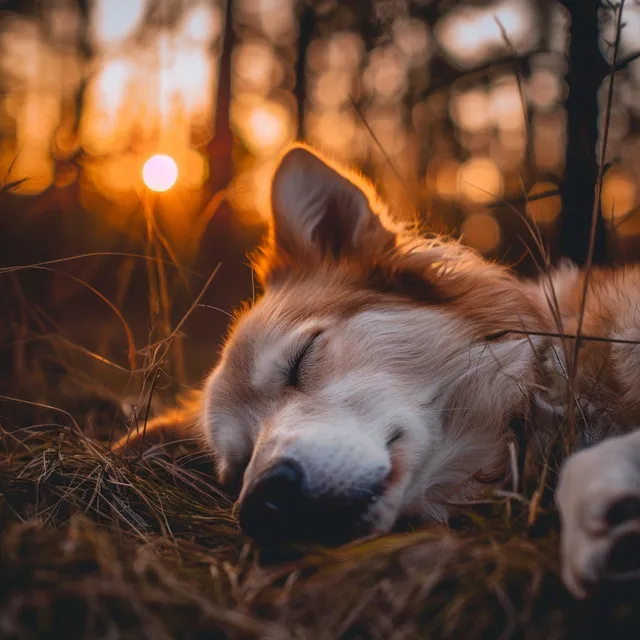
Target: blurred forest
<point>482,119</point>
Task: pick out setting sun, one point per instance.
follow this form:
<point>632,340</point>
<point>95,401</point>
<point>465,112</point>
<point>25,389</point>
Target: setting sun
<point>160,173</point>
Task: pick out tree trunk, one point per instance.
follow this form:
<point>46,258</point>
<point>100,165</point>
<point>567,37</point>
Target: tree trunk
<point>587,70</point>
<point>306,23</point>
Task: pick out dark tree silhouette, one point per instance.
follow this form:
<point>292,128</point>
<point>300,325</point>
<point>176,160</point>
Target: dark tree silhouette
<point>587,70</point>
<point>221,145</point>
<point>306,27</point>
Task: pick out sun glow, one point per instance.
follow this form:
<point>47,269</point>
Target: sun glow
<point>160,173</point>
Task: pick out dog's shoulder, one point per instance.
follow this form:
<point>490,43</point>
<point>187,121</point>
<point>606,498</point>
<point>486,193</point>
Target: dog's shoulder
<point>603,307</point>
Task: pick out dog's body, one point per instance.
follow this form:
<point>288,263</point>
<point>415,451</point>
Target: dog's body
<point>362,388</point>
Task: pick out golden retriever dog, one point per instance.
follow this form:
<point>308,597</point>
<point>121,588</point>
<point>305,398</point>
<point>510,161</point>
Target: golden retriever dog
<point>361,387</point>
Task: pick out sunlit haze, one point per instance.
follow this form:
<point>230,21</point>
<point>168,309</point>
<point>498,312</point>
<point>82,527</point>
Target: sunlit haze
<point>460,138</point>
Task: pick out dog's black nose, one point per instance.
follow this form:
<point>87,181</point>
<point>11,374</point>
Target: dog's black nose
<point>273,505</point>
<point>281,506</point>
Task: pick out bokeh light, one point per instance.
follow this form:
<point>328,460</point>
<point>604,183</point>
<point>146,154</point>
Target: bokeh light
<point>549,140</point>
<point>411,37</point>
<point>442,177</point>
<point>274,19</point>
<point>619,193</point>
<point>544,210</point>
<point>507,109</point>
<point>480,180</point>
<point>202,23</point>
<point>147,79</point>
<point>508,149</point>
<point>266,126</point>
<point>628,226</point>
<point>481,231</point>
<point>543,89</point>
<point>118,177</point>
<point>113,21</point>
<point>256,68</point>
<point>160,173</point>
<point>195,169</point>
<point>470,35</point>
<point>385,76</point>
<point>344,50</point>
<point>336,132</point>
<point>334,77</point>
<point>250,192</point>
<point>470,110</point>
<point>332,88</point>
<point>386,123</point>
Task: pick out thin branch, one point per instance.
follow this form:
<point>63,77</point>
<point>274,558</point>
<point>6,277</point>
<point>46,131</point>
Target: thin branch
<point>148,409</point>
<point>382,149</point>
<point>550,334</point>
<point>486,67</point>
<point>194,305</point>
<point>627,61</point>
<point>119,254</point>
<point>525,111</point>
<point>526,199</point>
<point>131,348</point>
<point>43,406</point>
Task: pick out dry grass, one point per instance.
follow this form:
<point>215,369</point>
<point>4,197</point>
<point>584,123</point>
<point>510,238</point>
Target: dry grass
<point>94,545</point>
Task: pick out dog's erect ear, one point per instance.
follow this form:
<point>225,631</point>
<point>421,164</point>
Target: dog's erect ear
<point>318,211</point>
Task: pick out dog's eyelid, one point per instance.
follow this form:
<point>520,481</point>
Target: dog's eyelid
<point>394,436</point>
<point>292,370</point>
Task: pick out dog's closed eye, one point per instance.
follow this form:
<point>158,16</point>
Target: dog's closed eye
<point>295,368</point>
<point>396,435</point>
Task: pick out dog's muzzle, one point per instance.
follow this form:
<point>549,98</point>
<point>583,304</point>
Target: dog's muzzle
<point>280,507</point>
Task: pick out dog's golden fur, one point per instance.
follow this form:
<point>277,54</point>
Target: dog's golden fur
<point>391,258</point>
<point>404,322</point>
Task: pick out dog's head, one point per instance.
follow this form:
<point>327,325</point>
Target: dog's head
<point>360,388</point>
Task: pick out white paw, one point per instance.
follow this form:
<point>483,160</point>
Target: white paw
<point>598,497</point>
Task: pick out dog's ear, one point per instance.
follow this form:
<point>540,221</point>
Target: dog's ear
<point>322,212</point>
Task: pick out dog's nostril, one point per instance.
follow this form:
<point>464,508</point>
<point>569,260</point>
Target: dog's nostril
<point>624,556</point>
<point>273,500</point>
<point>281,486</point>
<point>623,510</point>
